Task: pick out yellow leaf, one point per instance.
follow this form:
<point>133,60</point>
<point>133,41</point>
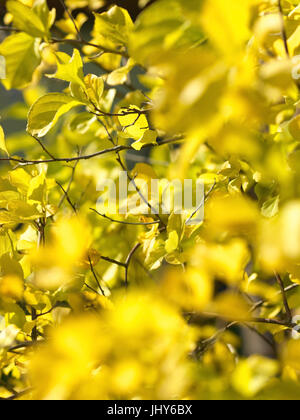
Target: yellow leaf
<point>227,23</point>
<point>294,127</point>
<point>172,242</point>
<point>192,290</point>
<point>149,137</point>
<point>232,307</point>
<point>2,141</point>
<point>69,69</point>
<point>253,374</point>
<point>119,76</point>
<point>134,123</point>
<point>11,287</point>
<point>22,57</point>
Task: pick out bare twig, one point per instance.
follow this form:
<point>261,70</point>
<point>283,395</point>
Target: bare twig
<point>91,288</point>
<point>44,147</point>
<point>202,203</point>
<point>124,222</point>
<point>115,149</point>
<point>128,261</point>
<point>78,42</point>
<point>20,346</point>
<point>112,261</point>
<point>69,185</point>
<point>17,395</point>
<point>95,276</point>
<point>67,197</point>
<point>284,297</point>
<point>283,31</point>
<point>9,29</point>
<point>72,19</point>
<point>119,160</point>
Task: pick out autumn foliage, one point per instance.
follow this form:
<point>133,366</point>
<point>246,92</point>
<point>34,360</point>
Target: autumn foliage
<point>134,306</point>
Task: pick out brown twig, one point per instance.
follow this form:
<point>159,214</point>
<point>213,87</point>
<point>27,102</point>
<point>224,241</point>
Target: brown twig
<point>69,185</point>
<point>128,261</point>
<point>72,19</point>
<point>44,147</point>
<point>284,297</point>
<point>283,31</point>
<point>95,276</point>
<point>67,197</point>
<point>124,222</point>
<point>115,149</point>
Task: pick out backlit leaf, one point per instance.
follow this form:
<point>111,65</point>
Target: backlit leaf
<point>46,111</point>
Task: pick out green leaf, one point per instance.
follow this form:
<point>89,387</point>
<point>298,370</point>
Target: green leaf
<point>165,25</point>
<point>119,76</point>
<point>82,122</point>
<point>134,124</point>
<point>172,242</point>
<point>22,56</point>
<point>27,20</point>
<point>69,69</point>
<point>271,207</point>
<point>113,28</point>
<point>20,179</point>
<point>94,89</point>
<point>9,266</point>
<point>176,223</point>
<point>47,110</point>
<point>47,17</point>
<point>149,137</point>
<point>2,141</point>
<point>18,211</point>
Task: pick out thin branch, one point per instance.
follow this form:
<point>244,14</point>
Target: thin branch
<point>129,111</point>
<point>283,30</point>
<point>72,19</point>
<point>34,333</point>
<point>78,42</point>
<point>95,276</point>
<point>9,29</point>
<point>48,312</point>
<point>285,300</point>
<point>272,322</point>
<point>25,345</point>
<point>24,162</point>
<point>17,395</point>
<point>115,149</point>
<point>128,261</point>
<point>204,345</point>
<point>262,302</point>
<point>253,320</point>
<point>119,160</point>
<point>202,203</point>
<point>69,185</point>
<point>91,288</point>
<point>67,197</point>
<point>112,261</point>
<point>124,222</point>
<point>43,147</point>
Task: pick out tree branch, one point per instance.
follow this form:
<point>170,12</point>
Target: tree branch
<point>124,222</point>
<point>285,300</point>
<point>283,31</point>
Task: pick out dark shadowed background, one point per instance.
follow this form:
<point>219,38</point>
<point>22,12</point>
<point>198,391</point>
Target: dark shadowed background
<point>130,5</point>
